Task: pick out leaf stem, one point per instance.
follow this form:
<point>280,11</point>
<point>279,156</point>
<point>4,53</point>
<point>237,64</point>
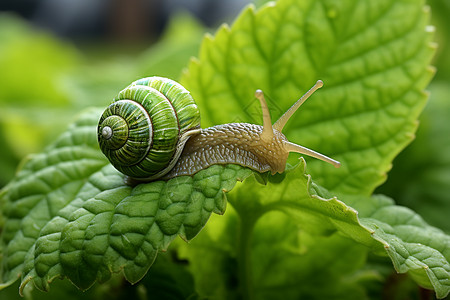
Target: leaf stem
<point>245,231</point>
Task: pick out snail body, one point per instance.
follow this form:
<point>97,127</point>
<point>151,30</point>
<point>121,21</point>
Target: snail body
<point>233,143</point>
<point>144,151</point>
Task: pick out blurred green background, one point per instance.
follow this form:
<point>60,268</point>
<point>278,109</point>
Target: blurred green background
<point>58,57</point>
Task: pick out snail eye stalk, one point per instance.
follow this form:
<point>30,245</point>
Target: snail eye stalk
<point>267,133</point>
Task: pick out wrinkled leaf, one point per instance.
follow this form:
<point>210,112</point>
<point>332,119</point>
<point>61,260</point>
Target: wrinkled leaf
<point>70,214</point>
<point>388,230</point>
<point>167,279</point>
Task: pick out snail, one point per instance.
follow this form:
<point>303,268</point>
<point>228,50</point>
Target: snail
<point>152,131</point>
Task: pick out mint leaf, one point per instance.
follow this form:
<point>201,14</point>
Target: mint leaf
<point>69,213</point>
<point>372,58</point>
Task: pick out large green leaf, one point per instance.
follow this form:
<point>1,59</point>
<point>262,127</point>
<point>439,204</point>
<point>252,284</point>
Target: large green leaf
<point>69,213</point>
<point>373,58</point>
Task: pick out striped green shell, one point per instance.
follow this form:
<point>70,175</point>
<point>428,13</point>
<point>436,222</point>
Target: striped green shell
<point>139,131</point>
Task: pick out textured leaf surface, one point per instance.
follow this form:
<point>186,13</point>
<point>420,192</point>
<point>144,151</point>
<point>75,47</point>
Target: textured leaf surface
<point>70,214</point>
<point>412,245</point>
<point>373,58</point>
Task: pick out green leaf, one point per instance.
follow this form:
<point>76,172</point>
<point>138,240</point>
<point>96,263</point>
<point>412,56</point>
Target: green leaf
<point>285,261</point>
<point>167,279</point>
<point>68,213</point>
<point>426,164</point>
<point>373,58</point>
<point>413,246</point>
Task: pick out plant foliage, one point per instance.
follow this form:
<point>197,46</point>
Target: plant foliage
<point>69,214</point>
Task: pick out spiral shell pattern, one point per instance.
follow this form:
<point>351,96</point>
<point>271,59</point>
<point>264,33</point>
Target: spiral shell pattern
<point>139,131</point>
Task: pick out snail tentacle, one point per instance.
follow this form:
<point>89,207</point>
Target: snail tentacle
<point>291,147</point>
<point>279,124</point>
<point>267,133</point>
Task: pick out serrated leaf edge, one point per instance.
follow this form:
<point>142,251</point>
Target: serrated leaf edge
<point>400,268</point>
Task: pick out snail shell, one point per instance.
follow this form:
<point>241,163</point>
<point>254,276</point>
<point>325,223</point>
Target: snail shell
<point>143,131</point>
<point>152,131</point>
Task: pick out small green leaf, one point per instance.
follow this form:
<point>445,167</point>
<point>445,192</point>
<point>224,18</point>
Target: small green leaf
<point>69,213</point>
